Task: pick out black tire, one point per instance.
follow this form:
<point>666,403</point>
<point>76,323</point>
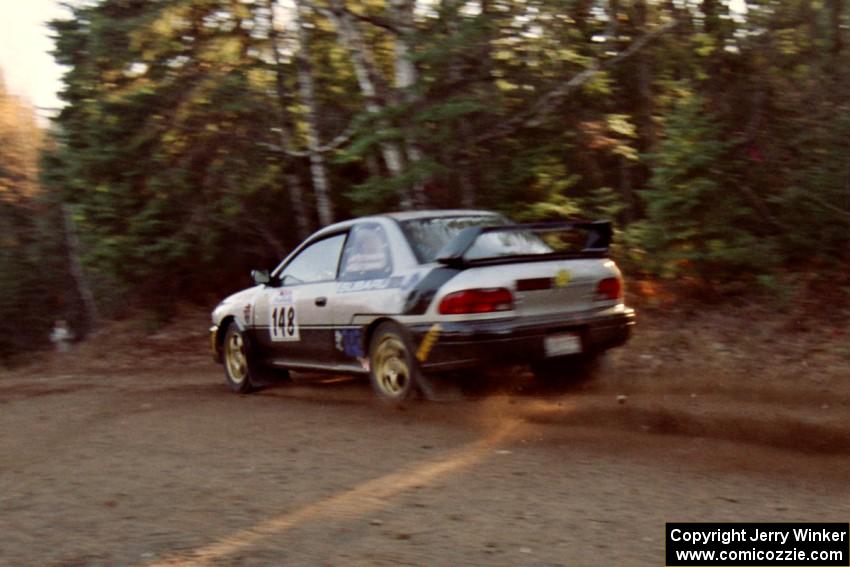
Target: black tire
<point>566,372</point>
<point>393,369</point>
<point>242,373</point>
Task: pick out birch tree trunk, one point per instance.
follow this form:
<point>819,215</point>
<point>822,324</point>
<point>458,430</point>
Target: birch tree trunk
<point>293,182</point>
<point>466,162</point>
<point>307,89</point>
<point>368,81</point>
<point>627,191</point>
<point>836,41</point>
<point>645,124</point>
<point>644,80</point>
<point>406,77</point>
<point>612,28</point>
<point>75,268</point>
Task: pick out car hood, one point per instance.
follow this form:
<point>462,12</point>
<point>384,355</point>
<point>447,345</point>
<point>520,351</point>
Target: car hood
<point>231,302</point>
<point>244,295</point>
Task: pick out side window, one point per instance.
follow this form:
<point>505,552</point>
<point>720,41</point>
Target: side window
<point>367,254</point>
<point>316,263</point>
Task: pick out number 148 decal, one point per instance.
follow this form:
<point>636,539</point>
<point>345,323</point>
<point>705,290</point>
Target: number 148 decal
<point>283,321</point>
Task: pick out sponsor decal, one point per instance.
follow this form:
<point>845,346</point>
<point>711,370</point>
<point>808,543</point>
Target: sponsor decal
<point>282,297</point>
<point>562,278</point>
<point>350,342</point>
<point>428,342</point>
<point>369,285</point>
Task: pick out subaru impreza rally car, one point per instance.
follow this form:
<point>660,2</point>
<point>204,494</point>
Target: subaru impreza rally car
<point>404,297</point>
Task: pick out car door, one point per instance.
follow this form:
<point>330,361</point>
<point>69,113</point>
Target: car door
<point>293,317</point>
<point>367,287</point>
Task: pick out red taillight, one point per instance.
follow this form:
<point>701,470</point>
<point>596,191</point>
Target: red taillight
<point>477,301</point>
<point>609,289</point>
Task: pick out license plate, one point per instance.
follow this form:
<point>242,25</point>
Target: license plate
<point>561,344</point>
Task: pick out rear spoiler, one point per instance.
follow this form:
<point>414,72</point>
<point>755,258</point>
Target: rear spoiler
<point>599,235</point>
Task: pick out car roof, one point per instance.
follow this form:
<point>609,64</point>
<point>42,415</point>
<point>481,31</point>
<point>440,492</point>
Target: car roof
<point>402,216</point>
<point>436,213</point>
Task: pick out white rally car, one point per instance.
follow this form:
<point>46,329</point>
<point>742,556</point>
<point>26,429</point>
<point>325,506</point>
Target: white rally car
<point>403,297</point>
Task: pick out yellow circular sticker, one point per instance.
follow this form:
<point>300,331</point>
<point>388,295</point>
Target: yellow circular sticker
<point>562,278</point>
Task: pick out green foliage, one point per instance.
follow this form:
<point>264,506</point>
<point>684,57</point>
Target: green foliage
<point>551,185</point>
<point>719,148</point>
<point>34,287</point>
<point>165,167</point>
<point>696,221</point>
<point>816,203</point>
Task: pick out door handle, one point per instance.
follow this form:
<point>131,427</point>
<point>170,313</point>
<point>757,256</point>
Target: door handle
<point>321,301</point>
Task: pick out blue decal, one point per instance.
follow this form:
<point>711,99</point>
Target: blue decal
<point>350,341</point>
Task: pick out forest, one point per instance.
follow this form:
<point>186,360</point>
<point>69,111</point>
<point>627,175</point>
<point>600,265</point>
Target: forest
<point>201,138</point>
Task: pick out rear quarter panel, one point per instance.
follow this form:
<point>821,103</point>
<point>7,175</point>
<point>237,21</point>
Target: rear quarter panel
<point>573,288</point>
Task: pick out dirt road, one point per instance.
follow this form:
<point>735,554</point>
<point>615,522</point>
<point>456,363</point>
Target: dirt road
<point>151,462</point>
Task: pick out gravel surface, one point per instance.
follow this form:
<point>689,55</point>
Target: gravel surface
<point>171,469</point>
<point>130,450</point>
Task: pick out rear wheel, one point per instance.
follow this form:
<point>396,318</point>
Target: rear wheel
<point>393,372</point>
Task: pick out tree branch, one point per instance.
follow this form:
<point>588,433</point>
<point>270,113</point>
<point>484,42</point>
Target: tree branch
<point>337,10</point>
<point>338,141</point>
<point>375,21</point>
<point>533,116</point>
<point>829,206</point>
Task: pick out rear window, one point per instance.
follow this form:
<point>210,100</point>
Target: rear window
<point>514,243</point>
<point>428,236</point>
<point>530,242</point>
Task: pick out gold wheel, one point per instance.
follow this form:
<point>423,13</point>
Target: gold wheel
<point>392,372</point>
<point>235,358</point>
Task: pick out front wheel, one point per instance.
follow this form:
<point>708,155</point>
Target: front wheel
<point>238,368</point>
<point>393,370</point>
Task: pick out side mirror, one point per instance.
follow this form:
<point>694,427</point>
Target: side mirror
<point>260,277</point>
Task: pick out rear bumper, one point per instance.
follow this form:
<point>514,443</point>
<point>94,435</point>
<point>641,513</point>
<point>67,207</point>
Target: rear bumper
<point>516,341</point>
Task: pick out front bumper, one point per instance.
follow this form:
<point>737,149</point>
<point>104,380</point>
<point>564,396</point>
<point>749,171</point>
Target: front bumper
<point>215,347</point>
<point>516,341</point>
